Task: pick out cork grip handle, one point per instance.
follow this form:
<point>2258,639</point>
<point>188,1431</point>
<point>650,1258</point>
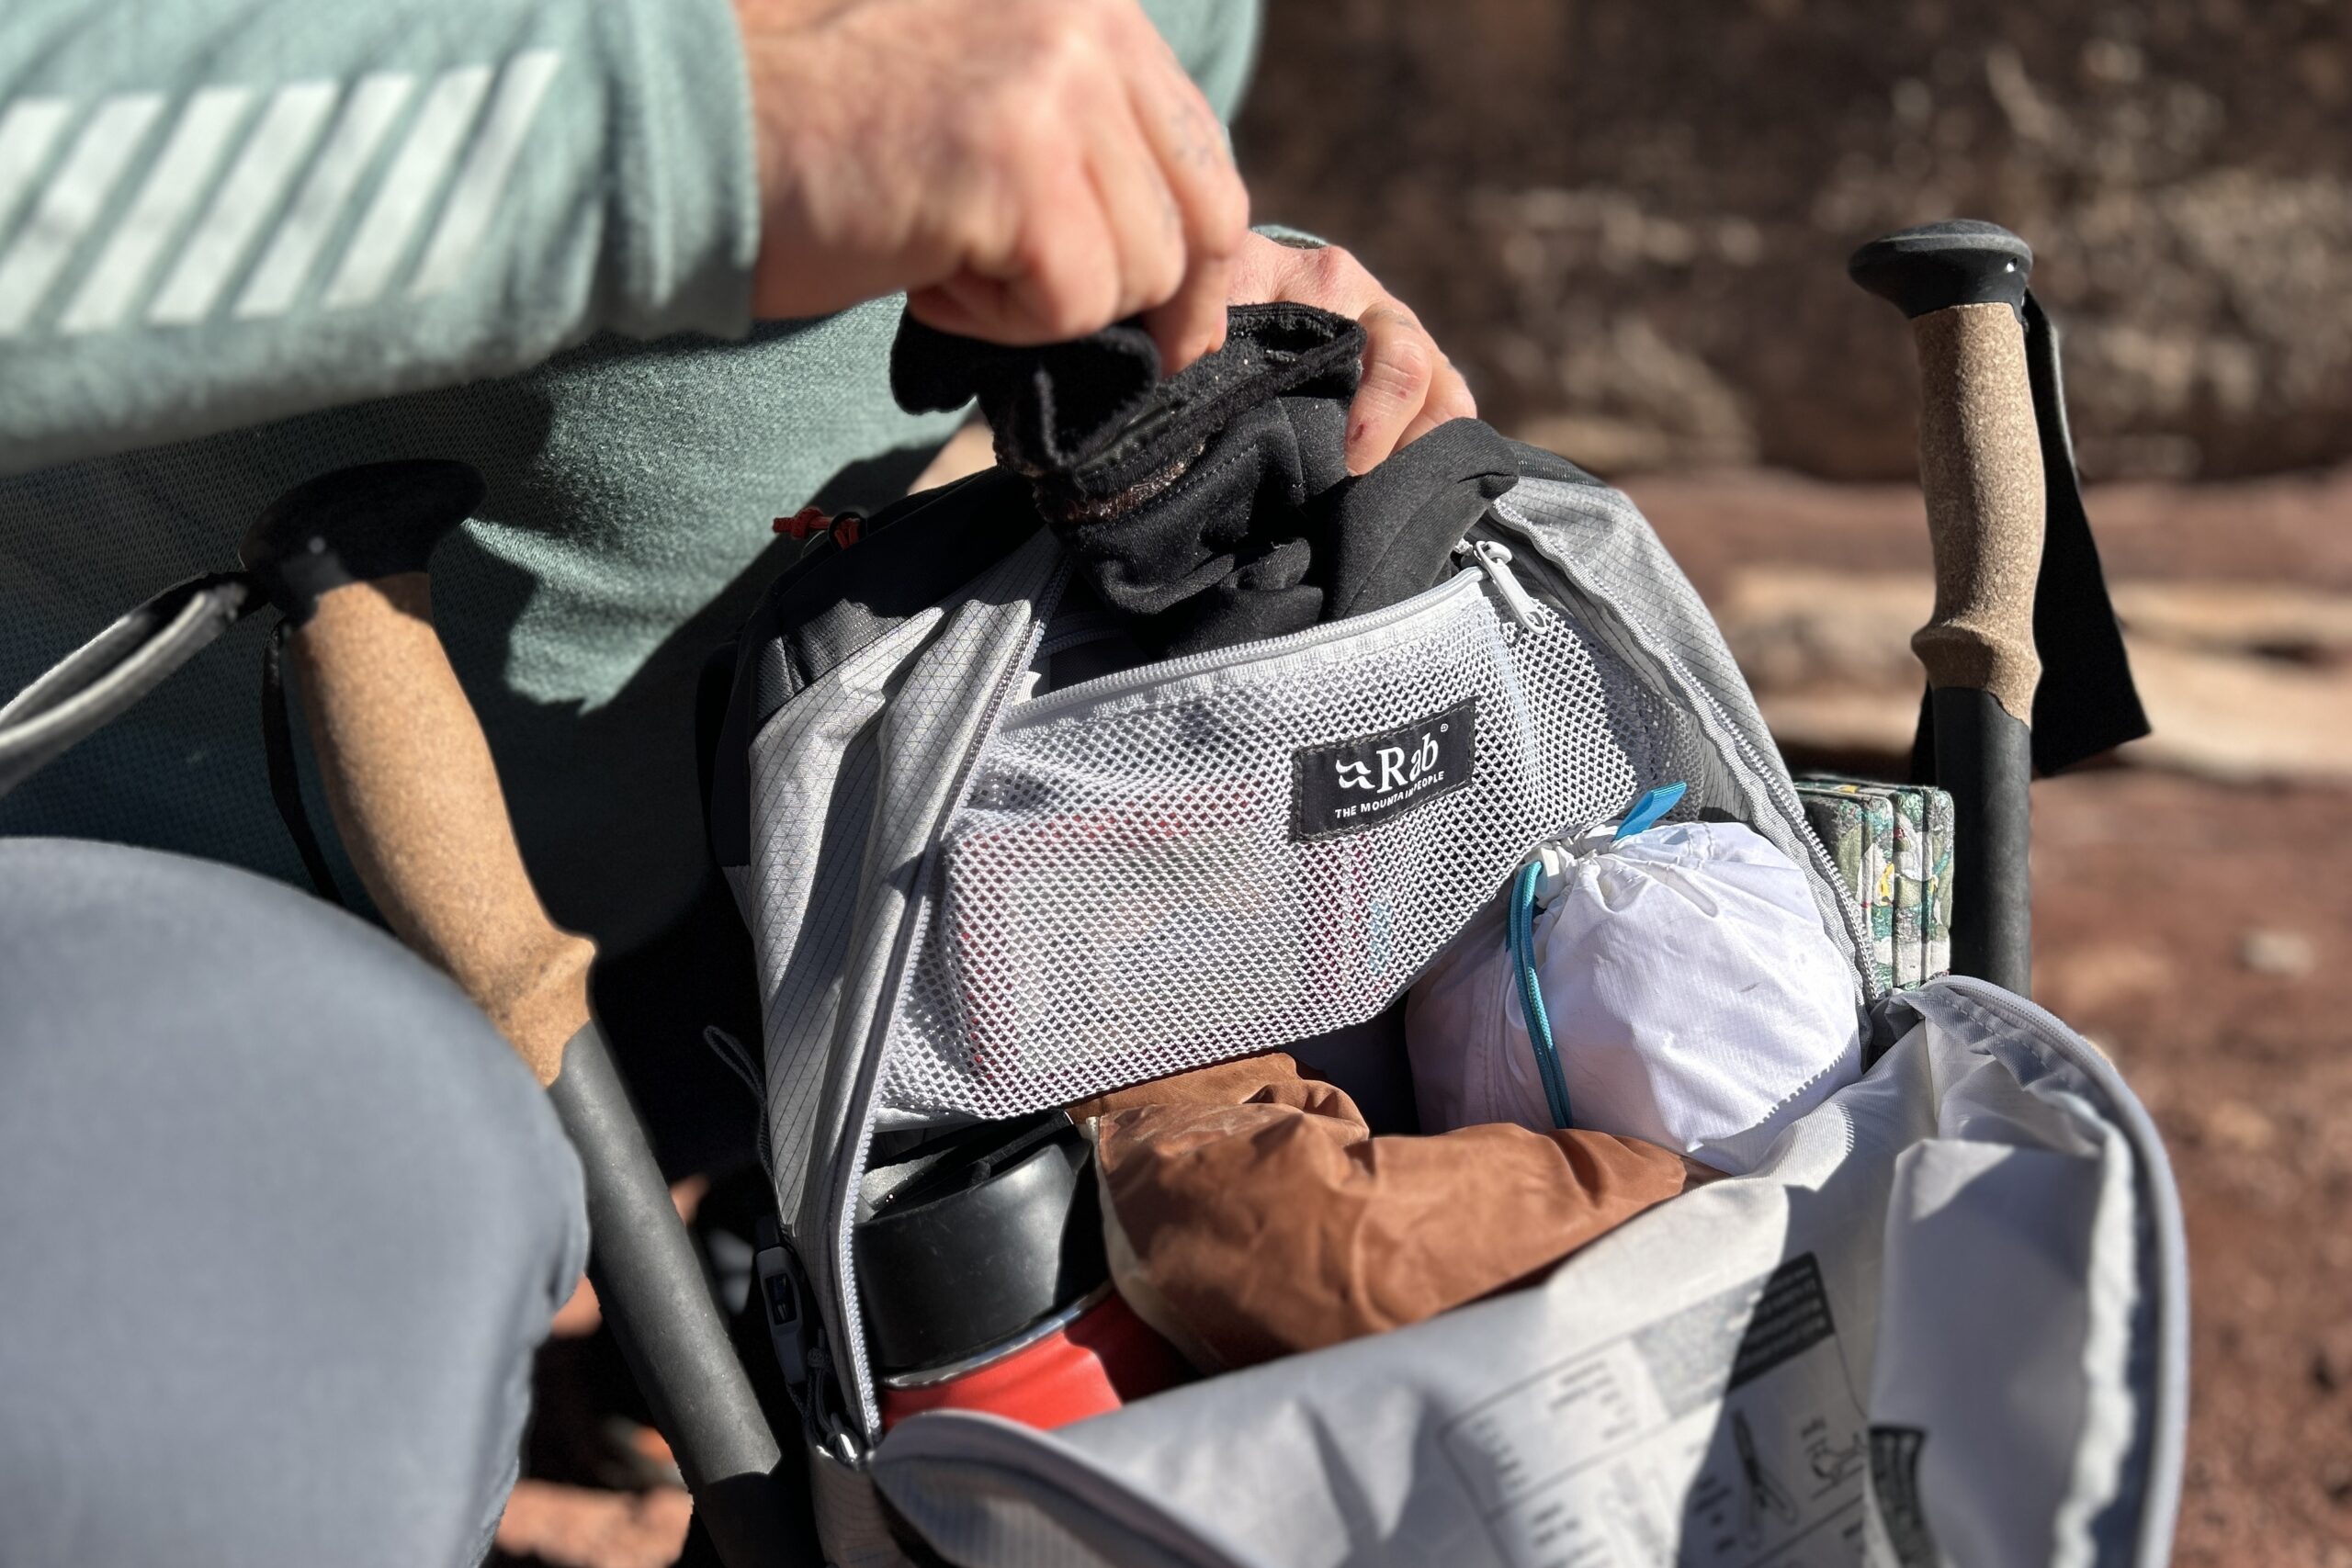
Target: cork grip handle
<point>1962,285</point>
<point>416,799</point>
<point>408,772</point>
<point>1980,465</point>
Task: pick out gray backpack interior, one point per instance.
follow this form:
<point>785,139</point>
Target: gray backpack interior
<point>1943,1322</point>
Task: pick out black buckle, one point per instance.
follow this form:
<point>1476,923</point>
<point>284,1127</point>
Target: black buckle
<point>797,1336</point>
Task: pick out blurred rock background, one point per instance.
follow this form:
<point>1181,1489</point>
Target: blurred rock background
<point>1629,224</point>
<point>1629,221</point>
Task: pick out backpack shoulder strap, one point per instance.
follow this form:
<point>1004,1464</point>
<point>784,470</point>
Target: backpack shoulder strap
<point>108,675</point>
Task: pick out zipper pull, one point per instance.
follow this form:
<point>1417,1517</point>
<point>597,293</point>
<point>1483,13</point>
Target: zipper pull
<point>1653,805</point>
<point>1493,558</point>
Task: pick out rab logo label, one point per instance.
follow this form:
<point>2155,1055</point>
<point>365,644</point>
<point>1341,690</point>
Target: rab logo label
<point>1396,773</point>
<point>1349,786</point>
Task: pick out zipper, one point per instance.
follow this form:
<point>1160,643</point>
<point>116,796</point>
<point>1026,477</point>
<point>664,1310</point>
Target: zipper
<point>796,1336</point>
<point>2027,1014</point>
<point>1143,677</point>
<point>1493,558</point>
<point>864,1408</point>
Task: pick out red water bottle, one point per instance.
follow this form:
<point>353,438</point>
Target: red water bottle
<point>982,1272</point>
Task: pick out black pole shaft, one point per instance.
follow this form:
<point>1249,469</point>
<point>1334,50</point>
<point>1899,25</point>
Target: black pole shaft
<point>650,1283</point>
<point>1985,757</point>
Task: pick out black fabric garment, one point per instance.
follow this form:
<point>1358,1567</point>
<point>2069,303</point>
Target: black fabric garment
<point>2087,702</point>
<point>2092,706</point>
<point>1216,506</point>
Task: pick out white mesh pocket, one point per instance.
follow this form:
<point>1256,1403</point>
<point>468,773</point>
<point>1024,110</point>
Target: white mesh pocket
<point>1214,856</point>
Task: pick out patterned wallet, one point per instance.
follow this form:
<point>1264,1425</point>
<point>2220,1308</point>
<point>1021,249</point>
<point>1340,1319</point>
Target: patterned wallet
<point>1893,846</point>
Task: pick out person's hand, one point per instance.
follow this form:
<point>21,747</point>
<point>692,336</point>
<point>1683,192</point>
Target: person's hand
<point>1028,171</point>
<point>1410,387</point>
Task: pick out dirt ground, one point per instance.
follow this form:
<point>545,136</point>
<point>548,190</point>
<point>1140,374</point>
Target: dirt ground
<point>2197,932</point>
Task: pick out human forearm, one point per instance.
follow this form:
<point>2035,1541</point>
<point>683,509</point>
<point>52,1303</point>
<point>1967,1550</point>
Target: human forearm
<point>1026,171</point>
<point>216,214</point>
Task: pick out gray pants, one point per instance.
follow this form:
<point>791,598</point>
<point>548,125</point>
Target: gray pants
<point>281,1221</point>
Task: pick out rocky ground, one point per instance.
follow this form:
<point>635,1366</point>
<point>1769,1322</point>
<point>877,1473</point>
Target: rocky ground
<point>2197,931</point>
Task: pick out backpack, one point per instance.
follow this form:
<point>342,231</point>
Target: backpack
<point>1943,1319</point>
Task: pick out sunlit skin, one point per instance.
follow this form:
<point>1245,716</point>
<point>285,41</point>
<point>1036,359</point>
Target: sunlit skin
<point>1031,171</point>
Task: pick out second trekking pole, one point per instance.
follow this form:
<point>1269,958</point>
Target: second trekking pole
<point>1962,285</point>
<point>415,796</point>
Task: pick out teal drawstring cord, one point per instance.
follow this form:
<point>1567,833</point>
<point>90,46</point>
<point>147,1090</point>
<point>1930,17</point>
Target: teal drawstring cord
<point>1519,933</point>
<point>1518,929</point>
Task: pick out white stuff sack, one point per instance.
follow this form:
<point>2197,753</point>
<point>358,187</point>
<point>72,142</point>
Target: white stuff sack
<point>1695,999</point>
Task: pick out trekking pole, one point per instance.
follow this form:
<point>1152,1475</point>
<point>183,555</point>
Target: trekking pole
<point>415,796</point>
<point>1962,285</point>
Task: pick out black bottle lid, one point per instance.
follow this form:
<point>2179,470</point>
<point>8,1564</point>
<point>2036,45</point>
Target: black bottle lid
<point>974,1238</point>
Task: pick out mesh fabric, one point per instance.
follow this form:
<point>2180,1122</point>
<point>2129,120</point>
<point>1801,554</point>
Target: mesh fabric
<point>1123,895</point>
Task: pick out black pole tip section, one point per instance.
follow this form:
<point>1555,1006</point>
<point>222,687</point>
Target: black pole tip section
<point>650,1278</point>
<point>355,525</point>
<point>1985,757</point>
<point>1961,261</point>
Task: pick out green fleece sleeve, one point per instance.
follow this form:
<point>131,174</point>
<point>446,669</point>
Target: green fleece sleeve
<point>1217,43</point>
<point>218,212</point>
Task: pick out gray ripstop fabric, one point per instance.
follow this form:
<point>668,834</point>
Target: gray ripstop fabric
<point>1944,1322</point>
<point>934,696</point>
<point>816,771</point>
<point>1783,1324</point>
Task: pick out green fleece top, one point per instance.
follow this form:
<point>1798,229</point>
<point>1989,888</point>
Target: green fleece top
<point>517,233</point>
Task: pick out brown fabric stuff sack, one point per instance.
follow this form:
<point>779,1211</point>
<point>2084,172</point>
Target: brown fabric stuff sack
<point>1253,1214</point>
